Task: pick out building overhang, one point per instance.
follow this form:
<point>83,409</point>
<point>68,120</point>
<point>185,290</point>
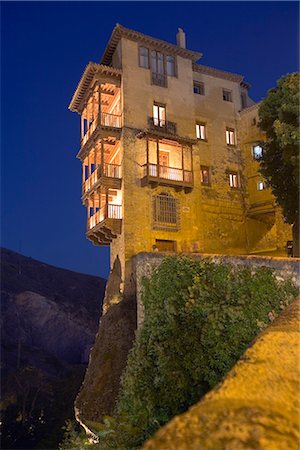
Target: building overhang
<point>206,70</point>
<point>119,31</point>
<point>92,71</point>
<point>169,137</point>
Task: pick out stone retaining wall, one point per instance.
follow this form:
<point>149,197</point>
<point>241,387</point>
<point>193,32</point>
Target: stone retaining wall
<point>145,263</point>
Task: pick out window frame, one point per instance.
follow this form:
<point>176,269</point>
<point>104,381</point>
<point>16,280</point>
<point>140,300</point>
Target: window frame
<point>198,127</point>
<point>201,85</point>
<point>139,56</point>
<point>227,91</point>
<point>230,130</point>
<point>150,67</point>
<point>161,122</point>
<point>231,174</point>
<point>160,221</point>
<point>208,170</point>
<point>256,158</point>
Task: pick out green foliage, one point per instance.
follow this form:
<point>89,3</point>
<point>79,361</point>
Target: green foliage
<point>279,118</point>
<point>199,319</point>
<point>74,438</point>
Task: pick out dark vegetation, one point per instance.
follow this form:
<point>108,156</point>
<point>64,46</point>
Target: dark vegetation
<point>279,118</point>
<point>49,320</point>
<point>200,318</point>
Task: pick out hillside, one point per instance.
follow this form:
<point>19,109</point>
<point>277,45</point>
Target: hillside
<point>49,318</point>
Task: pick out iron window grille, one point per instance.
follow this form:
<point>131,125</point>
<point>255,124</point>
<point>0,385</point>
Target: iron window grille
<point>166,212</point>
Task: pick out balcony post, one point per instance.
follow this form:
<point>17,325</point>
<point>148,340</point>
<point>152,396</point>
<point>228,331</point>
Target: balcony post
<point>147,156</point>
<point>157,157</point>
<point>106,203</point>
<point>99,103</point>
<point>102,156</point>
<point>89,165</point>
<point>182,160</point>
<point>82,126</point>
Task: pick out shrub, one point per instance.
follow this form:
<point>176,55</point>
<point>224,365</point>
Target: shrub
<point>199,319</point>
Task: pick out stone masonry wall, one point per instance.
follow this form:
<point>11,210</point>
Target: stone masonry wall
<point>145,263</point>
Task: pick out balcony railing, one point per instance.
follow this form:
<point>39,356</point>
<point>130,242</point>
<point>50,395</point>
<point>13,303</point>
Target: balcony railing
<point>162,125</point>
<point>168,173</point>
<point>108,211</point>
<point>111,120</point>
<point>111,170</point>
<point>88,133</point>
<point>159,79</point>
<point>92,179</point>
<point>108,170</point>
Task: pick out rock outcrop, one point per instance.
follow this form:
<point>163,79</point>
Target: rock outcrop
<point>257,404</point>
<point>50,317</point>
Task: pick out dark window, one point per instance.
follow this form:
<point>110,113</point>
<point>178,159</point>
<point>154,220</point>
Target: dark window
<point>227,95</point>
<point>157,62</point>
<point>92,168</point>
<point>170,62</point>
<point>205,175</point>
<point>165,245</point>
<point>86,172</point>
<point>144,57</point>
<point>243,100</point>
<point>199,88</point>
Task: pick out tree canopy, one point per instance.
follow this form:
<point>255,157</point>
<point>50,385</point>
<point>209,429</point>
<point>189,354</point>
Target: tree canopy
<point>279,118</point>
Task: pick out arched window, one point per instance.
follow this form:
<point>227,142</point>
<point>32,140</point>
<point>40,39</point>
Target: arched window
<point>166,212</point>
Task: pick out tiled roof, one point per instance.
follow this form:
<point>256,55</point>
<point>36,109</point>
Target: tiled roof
<point>120,31</point>
<point>90,71</point>
<point>218,73</point>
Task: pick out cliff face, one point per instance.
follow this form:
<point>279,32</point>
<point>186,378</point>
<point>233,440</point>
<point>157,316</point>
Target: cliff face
<point>108,358</point>
<point>49,317</point>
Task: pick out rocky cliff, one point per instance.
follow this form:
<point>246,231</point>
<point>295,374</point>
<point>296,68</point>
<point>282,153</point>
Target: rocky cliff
<point>50,317</point>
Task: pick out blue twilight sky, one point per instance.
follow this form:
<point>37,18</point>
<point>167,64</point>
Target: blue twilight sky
<point>45,47</point>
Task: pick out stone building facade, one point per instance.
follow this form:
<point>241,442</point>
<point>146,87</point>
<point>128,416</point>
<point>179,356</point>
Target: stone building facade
<point>169,152</point>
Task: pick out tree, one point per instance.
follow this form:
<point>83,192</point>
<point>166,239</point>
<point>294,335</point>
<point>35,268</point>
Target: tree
<point>279,118</point>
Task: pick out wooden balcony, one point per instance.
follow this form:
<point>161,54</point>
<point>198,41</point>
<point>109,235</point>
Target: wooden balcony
<point>108,175</point>
<point>105,225</point>
<point>162,126</point>
<point>155,174</point>
<point>111,122</point>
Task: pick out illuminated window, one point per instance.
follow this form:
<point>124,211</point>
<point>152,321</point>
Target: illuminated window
<point>199,88</point>
<point>170,62</point>
<point>233,180</point>
<point>205,175</point>
<point>230,136</point>
<point>261,185</point>
<point>144,57</point>
<point>227,95</point>
<point>257,151</point>
<point>159,115</point>
<point>201,131</point>
<point>166,212</point>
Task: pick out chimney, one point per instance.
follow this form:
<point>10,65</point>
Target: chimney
<point>180,38</point>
